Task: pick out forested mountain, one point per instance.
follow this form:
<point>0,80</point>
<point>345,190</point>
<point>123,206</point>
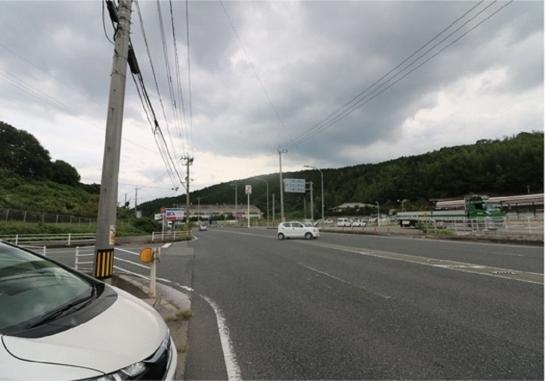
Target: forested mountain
<point>494,167</point>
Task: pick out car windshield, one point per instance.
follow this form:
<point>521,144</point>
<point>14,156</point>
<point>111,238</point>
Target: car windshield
<point>32,287</point>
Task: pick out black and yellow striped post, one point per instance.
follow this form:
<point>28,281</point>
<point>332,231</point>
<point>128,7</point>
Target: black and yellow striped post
<point>104,263</point>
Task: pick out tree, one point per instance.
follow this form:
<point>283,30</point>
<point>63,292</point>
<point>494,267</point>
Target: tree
<point>22,154</point>
<point>63,173</point>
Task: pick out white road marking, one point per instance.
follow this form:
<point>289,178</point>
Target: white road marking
<point>522,276</point>
<point>167,245</point>
<point>250,234</point>
<point>424,239</point>
<point>345,282</point>
<point>232,368</point>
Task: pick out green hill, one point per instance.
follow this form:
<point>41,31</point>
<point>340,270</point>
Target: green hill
<point>493,167</point>
<point>30,181</point>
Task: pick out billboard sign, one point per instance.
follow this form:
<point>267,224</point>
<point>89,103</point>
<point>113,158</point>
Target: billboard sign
<point>248,189</point>
<point>294,185</point>
<point>174,214</point>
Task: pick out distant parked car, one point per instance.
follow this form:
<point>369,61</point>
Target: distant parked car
<point>59,324</point>
<point>296,229</point>
<point>343,222</point>
<point>358,224</point>
<point>202,228</point>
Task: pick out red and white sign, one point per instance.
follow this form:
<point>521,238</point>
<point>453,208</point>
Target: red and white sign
<point>248,189</point>
<point>174,214</point>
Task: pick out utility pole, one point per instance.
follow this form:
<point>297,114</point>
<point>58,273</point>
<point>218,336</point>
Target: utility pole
<point>273,207</point>
<point>199,209</point>
<point>106,218</point>
<point>136,201</point>
<point>189,161</point>
<point>312,211</point>
<point>236,207</point>
<point>281,151</point>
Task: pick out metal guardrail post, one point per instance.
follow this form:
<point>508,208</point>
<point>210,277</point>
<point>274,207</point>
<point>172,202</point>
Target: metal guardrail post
<point>44,250</point>
<point>16,239</point>
<point>69,239</point>
<point>77,252</point>
<point>174,235</point>
<point>153,272</point>
<point>153,236</point>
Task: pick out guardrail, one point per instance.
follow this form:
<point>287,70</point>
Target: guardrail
<point>84,264</point>
<point>505,228</point>
<point>152,267</point>
<point>84,252</point>
<point>170,235</point>
<point>68,238</point>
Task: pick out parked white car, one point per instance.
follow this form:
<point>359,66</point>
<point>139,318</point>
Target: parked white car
<point>59,324</point>
<point>296,229</point>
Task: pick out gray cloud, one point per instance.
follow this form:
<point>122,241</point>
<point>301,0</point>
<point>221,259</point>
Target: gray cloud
<point>311,58</point>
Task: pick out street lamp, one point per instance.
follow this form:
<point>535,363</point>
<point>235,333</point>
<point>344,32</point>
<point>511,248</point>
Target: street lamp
<point>267,200</point>
<point>377,203</point>
<point>321,188</point>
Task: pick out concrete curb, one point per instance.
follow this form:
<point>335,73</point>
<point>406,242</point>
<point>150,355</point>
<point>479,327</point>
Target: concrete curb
<point>173,305</point>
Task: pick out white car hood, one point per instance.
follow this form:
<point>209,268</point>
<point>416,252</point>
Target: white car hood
<point>126,332</point>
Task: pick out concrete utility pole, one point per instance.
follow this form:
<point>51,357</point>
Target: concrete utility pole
<point>312,207</point>
<point>321,189</point>
<point>273,207</point>
<point>266,198</point>
<point>136,201</point>
<point>106,219</point>
<point>189,161</point>
<point>281,151</point>
<point>236,207</point>
<point>199,209</point>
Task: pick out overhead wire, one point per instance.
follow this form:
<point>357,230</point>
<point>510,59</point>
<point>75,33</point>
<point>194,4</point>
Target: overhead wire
<point>189,73</point>
<point>179,89</point>
<point>259,79</point>
<point>142,29</point>
<point>170,84</point>
<point>363,98</point>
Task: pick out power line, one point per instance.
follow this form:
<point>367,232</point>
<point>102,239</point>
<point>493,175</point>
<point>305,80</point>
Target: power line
<point>362,98</point>
<point>172,93</point>
<point>242,46</point>
<point>178,77</point>
<point>104,24</point>
<point>189,72</point>
<point>152,67</point>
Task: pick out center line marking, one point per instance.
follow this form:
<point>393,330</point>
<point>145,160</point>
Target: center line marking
<point>345,282</point>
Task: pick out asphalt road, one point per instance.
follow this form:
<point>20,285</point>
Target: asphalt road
<point>316,310</point>
<point>360,307</point>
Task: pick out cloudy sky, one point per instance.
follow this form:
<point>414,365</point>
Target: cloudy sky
<point>269,74</point>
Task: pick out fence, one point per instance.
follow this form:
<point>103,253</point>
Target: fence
<point>530,228</point>
<point>16,215</point>
<point>83,262</point>
<point>170,235</point>
<point>67,239</point>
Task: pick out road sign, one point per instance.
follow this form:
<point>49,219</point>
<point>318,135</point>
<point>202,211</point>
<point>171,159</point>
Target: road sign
<point>174,214</point>
<point>248,189</point>
<point>294,185</point>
